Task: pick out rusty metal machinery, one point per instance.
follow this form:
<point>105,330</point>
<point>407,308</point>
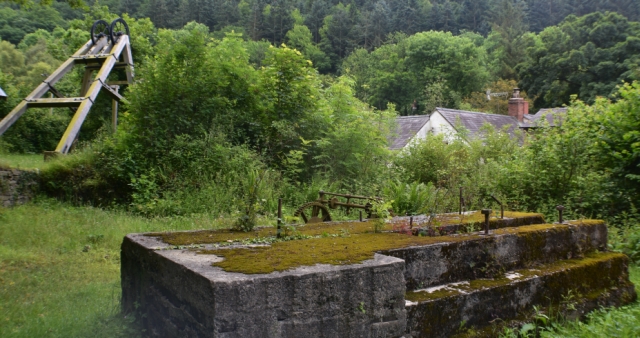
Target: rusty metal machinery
<point>108,49</point>
<point>318,210</point>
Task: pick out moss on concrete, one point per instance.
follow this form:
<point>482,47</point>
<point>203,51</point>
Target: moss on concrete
<point>225,235</point>
<point>589,260</point>
<point>351,249</point>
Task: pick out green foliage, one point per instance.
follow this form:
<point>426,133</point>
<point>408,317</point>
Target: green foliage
<point>381,213</point>
<point>618,147</point>
<point>253,187</point>
<point>15,24</point>
<point>409,199</point>
<point>504,43</point>
<point>299,37</point>
<point>430,67</point>
<point>588,56</point>
<point>292,99</point>
<point>354,148</point>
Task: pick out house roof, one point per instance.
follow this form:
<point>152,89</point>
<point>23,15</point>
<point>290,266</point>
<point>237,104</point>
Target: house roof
<point>473,121</point>
<point>3,95</point>
<point>553,116</point>
<point>407,128</point>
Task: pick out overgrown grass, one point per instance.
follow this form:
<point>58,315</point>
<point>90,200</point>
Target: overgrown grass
<point>60,268</point>
<point>22,161</point>
<point>60,273</point>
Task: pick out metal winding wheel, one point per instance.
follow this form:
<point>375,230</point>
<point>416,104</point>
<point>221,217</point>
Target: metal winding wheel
<point>319,213</point>
<point>99,30</point>
<point>118,28</point>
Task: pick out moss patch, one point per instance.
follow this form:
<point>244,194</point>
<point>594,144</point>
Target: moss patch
<point>479,284</point>
<point>478,217</point>
<point>353,249</point>
<point>318,229</point>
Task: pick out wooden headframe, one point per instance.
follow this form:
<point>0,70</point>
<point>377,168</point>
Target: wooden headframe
<point>103,56</point>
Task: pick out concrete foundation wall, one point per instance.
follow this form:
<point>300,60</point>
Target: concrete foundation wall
<point>603,283</point>
<point>17,186</point>
<point>490,256</point>
<point>181,294</point>
<point>177,292</point>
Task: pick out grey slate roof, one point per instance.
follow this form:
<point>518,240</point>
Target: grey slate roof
<point>553,116</point>
<point>407,128</point>
<point>473,121</point>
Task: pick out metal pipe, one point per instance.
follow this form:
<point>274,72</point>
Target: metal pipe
<point>279,229</point>
<point>486,213</point>
<point>560,209</point>
<point>322,193</point>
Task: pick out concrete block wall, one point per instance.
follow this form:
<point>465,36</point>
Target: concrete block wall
<point>17,186</point>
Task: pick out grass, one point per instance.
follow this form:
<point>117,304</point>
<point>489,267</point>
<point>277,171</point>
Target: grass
<point>60,272</point>
<point>60,269</point>
<point>22,161</point>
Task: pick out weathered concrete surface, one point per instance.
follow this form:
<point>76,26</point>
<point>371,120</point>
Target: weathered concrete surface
<point>486,257</point>
<point>180,293</point>
<point>601,280</point>
<point>494,223</point>
<point>177,292</point>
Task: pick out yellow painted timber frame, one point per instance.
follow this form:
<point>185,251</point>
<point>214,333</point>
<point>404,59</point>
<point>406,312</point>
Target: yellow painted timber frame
<point>102,56</point>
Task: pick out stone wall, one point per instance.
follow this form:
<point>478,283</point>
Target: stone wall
<point>17,186</point>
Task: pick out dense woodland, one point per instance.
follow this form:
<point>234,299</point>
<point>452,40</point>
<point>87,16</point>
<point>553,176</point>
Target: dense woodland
<point>239,103</point>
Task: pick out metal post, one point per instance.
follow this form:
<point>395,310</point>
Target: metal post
<point>461,200</point>
<point>279,229</point>
<point>486,213</point>
<point>360,215</point>
<point>560,209</point>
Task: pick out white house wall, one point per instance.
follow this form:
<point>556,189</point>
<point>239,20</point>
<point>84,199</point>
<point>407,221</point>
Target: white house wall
<point>436,125</point>
<point>439,125</point>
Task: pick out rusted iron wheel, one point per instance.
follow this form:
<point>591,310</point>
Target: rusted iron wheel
<point>118,28</point>
<point>99,30</point>
<point>313,212</point>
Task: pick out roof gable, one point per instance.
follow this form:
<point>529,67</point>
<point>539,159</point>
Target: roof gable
<point>407,128</point>
<point>473,121</point>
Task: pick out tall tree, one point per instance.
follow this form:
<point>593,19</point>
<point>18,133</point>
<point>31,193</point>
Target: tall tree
<point>338,33</point>
<point>545,13</point>
<point>474,16</point>
<point>588,56</point>
<point>504,43</point>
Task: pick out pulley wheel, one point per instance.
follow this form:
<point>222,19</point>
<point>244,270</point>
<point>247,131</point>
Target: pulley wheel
<point>99,30</point>
<point>118,28</point>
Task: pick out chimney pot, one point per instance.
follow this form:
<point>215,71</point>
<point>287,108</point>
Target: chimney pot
<point>518,107</point>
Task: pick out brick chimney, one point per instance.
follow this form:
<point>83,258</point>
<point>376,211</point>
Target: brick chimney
<point>518,106</point>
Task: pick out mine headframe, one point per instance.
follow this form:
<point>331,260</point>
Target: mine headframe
<point>108,49</point>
